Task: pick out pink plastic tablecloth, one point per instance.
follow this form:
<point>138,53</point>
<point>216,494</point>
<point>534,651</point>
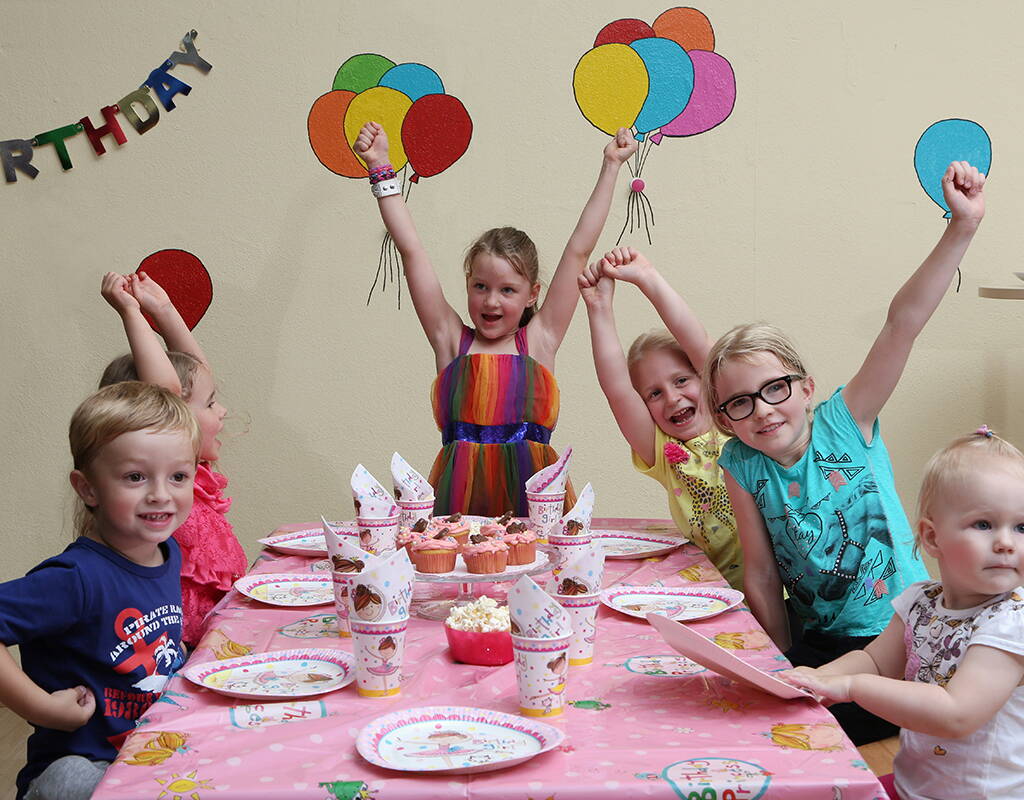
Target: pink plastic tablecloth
<point>641,720</point>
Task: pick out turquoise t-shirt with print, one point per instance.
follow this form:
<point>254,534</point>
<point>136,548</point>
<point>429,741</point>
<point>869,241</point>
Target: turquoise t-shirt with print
<point>842,543</point>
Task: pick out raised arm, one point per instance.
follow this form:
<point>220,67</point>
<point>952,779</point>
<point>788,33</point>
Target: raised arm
<point>63,710</point>
<point>547,329</point>
<point>155,302</point>
<point>916,301</point>
<point>151,362</point>
<point>440,322</point>
<point>761,583</point>
<point>628,408</point>
<point>626,264</point>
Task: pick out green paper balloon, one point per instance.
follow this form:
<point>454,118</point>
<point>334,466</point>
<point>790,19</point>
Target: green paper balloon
<point>361,72</point>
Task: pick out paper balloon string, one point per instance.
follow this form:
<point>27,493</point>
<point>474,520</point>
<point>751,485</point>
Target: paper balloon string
<point>185,280</point>
<point>427,131</point>
<point>661,80</point>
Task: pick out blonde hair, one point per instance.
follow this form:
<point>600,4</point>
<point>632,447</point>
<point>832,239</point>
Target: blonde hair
<point>122,368</point>
<point>962,457</point>
<point>120,408</point>
<point>742,343</point>
<point>657,339</point>
<point>517,249</point>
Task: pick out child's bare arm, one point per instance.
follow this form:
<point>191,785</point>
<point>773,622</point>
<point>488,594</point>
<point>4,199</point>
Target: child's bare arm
<point>916,301</point>
<point>151,362</point>
<point>63,710</point>
<point>626,264</point>
<point>439,320</point>
<point>548,327</point>
<point>628,408</point>
<point>158,305</point>
<point>761,583</point>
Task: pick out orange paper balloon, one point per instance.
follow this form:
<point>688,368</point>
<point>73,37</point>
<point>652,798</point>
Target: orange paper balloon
<point>326,125</point>
<point>688,27</point>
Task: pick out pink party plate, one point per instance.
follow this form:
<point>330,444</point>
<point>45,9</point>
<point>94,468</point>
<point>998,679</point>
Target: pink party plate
<point>454,739</point>
<point>697,648</point>
<point>288,589</point>
<point>282,673</point>
<point>298,543</point>
<point>630,544</point>
<point>675,602</point>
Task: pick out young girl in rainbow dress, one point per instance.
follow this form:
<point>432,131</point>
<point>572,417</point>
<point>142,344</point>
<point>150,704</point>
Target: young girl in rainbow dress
<point>814,496</point>
<point>948,667</point>
<point>495,398</point>
<point>212,557</point>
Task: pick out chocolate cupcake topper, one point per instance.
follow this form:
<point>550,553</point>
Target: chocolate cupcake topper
<point>420,526</point>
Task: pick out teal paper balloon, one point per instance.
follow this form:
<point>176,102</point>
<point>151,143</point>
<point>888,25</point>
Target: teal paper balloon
<point>412,80</point>
<point>670,74</point>
<point>361,72</point>
<point>945,141</point>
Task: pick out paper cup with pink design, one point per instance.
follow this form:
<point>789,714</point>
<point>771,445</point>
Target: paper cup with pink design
<point>378,535</point>
<point>545,510</point>
<point>378,648</point>
<point>412,511</point>
<point>542,666</point>
<point>342,582</point>
<point>582,610</point>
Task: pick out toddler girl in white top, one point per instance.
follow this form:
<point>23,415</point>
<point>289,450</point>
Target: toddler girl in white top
<point>949,666</point>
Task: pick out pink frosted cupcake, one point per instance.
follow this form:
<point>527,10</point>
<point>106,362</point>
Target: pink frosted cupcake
<point>406,536</point>
<point>435,554</point>
<point>456,525</point>
<point>496,528</point>
<point>522,544</point>
<point>485,556</point>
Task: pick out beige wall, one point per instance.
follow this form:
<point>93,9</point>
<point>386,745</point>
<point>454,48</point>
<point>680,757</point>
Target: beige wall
<point>803,209</point>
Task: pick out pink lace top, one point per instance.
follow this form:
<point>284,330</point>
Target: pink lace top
<point>212,558</point>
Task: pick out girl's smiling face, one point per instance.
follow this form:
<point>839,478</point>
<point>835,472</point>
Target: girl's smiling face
<point>671,390</point>
<point>781,431</point>
<point>497,296</point>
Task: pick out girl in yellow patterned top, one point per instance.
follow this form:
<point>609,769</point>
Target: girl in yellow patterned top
<point>654,395</point>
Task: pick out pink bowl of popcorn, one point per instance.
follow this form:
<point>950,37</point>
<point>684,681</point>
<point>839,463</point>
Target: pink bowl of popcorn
<point>479,633</point>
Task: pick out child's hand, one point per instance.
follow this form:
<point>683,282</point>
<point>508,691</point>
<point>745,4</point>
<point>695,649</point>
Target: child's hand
<point>625,264</point>
<point>149,294</point>
<point>963,186</point>
<point>832,688</point>
<point>69,709</point>
<point>597,289</point>
<point>619,149</point>
<point>372,144</point>
<point>115,290</point>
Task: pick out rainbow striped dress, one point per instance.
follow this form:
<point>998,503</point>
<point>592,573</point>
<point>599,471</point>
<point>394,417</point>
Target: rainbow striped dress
<point>495,414</point>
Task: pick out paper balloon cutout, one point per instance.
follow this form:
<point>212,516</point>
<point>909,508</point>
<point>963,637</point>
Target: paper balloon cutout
<point>361,72</point>
<point>412,80</point>
<point>670,82</point>
<point>610,83</point>
<point>185,280</point>
<point>326,127</point>
<point>624,31</point>
<point>945,141</point>
<point>712,100</point>
<point>386,107</point>
<point>687,27</point>
<point>436,132</point>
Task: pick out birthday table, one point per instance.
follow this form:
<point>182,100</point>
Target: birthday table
<point>640,721</point>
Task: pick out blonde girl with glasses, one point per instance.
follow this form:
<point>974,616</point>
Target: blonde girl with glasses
<point>814,495</point>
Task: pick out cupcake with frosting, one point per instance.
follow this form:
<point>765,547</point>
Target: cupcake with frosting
<point>434,554</point>
<point>456,525</point>
<point>485,556</point>
<point>406,536</point>
<point>495,529</point>
<point>522,544</point>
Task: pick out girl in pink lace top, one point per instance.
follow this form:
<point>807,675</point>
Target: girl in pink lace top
<point>211,556</point>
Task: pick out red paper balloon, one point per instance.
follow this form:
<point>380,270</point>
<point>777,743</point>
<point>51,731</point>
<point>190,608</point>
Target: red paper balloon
<point>185,280</point>
<point>435,133</point>
<point>624,31</point>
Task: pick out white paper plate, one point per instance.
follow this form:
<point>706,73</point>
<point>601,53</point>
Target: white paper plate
<point>632,544</point>
<point>675,602</point>
<point>283,673</point>
<point>454,740</point>
<point>288,589</point>
<point>298,543</point>
<point>697,648</point>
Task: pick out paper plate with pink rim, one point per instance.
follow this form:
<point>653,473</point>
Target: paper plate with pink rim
<point>282,673</point>
<point>630,544</point>
<point>675,602</point>
<point>298,543</point>
<point>288,589</point>
<point>454,739</point>
<point>702,650</point>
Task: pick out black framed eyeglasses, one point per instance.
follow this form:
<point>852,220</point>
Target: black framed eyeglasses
<point>775,391</point>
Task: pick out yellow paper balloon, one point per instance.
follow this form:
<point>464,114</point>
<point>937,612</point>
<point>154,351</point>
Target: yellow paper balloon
<point>610,83</point>
<point>386,107</point>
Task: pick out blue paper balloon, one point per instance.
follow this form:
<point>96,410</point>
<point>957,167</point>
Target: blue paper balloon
<point>670,73</point>
<point>945,141</point>
<point>412,80</point>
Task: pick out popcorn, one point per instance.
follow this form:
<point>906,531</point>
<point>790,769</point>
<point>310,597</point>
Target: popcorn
<point>481,616</point>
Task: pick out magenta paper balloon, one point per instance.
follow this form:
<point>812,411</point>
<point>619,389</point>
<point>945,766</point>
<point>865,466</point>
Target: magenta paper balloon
<point>714,95</point>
